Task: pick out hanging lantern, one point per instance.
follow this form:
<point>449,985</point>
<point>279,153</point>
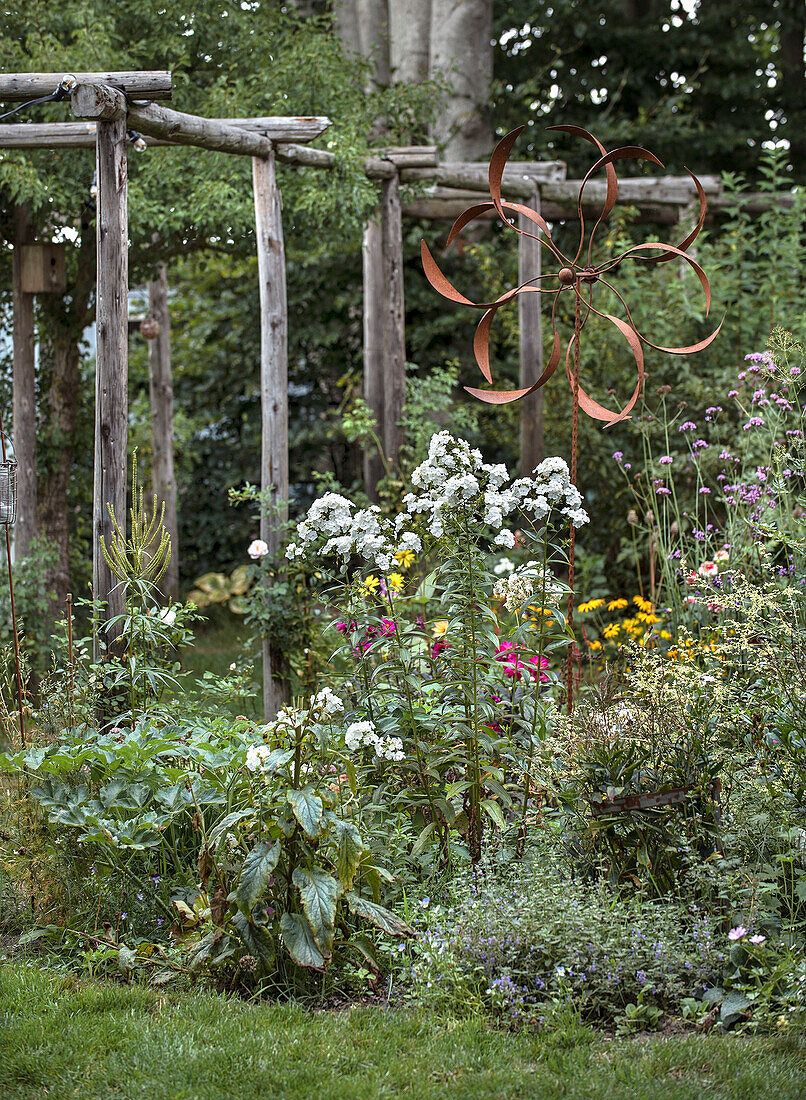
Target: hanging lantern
<point>8,493</point>
<point>149,327</point>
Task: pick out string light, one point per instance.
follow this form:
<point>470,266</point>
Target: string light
<point>63,90</point>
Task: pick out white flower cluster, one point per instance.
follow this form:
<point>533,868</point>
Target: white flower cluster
<point>523,583</point>
<point>326,705</point>
<point>455,477</point>
<point>334,526</point>
<point>550,489</point>
<point>364,733</point>
<point>256,757</point>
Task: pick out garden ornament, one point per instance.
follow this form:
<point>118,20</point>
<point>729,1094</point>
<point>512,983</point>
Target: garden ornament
<point>578,276</point>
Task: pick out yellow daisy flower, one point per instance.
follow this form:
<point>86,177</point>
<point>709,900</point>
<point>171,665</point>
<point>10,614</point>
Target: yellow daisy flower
<point>395,581</point>
<point>611,631</point>
<point>405,558</point>
<point>594,645</point>
<point>591,605</point>
<point>371,583</point>
<point>440,628</point>
<point>641,603</point>
<point>617,605</point>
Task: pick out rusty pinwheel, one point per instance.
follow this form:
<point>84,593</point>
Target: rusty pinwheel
<point>578,275</point>
<point>570,275</point>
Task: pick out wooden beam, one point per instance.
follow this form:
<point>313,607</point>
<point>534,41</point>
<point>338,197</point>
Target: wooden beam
<point>78,135</point>
<point>145,85</point>
<point>411,156</point>
<point>24,391</point>
<point>516,185</point>
<point>161,400</point>
<point>374,314</point>
<point>278,128</point>
<point>99,102</point>
<point>111,364</point>
<point>541,171</point>
<point>394,331</point>
<point>530,343</point>
<point>273,396</point>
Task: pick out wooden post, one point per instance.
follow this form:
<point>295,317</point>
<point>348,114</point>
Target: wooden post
<point>161,396</point>
<point>273,395</point>
<point>111,363</point>
<point>531,344</point>
<point>394,329</point>
<point>374,314</point>
<point>24,396</point>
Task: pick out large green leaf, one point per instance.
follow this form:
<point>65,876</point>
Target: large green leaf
<point>307,807</point>
<point>257,939</point>
<point>223,826</point>
<point>255,874</point>
<point>301,943</point>
<point>379,916</point>
<point>348,851</point>
<point>320,894</point>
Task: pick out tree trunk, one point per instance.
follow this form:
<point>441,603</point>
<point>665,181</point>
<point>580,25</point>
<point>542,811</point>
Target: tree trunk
<point>462,52</point>
<point>24,398</point>
<point>63,321</point>
<point>345,25</point>
<point>161,396</point>
<point>793,72</point>
<point>63,400</point>
<point>409,37</point>
<point>374,312</point>
<point>373,32</point>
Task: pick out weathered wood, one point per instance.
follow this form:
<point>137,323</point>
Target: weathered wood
<point>304,157</point>
<point>148,85</point>
<point>161,399</point>
<point>77,135</point>
<point>541,171</point>
<point>278,128</point>
<point>43,268</point>
<point>98,101</point>
<point>206,133</point>
<point>472,179</point>
<point>412,156</point>
<point>24,391</point>
<point>273,395</point>
<point>394,331</point>
<point>530,343</point>
<point>47,135</point>
<point>663,190</point>
<point>111,363</point>
<point>374,314</point>
<point>449,204</point>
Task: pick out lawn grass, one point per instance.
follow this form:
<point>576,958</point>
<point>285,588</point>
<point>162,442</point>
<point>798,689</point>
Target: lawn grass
<point>63,1037</point>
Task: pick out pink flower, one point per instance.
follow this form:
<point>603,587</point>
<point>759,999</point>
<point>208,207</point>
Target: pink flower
<point>388,627</point>
<point>708,569</point>
<point>758,939</point>
<point>257,549</point>
<point>737,933</point>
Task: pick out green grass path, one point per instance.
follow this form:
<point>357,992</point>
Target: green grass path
<point>61,1037</point>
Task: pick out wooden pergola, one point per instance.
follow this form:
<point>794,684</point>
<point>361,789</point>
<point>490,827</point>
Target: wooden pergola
<point>111,105</point>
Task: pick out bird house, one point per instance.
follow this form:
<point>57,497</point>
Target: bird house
<point>43,269</point>
<point>8,493</point>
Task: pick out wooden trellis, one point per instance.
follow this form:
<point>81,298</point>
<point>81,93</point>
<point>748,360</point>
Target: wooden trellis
<point>111,104</point>
<point>103,101</point>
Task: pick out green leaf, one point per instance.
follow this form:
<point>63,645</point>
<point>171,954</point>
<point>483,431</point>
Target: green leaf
<point>320,894</point>
<point>300,941</point>
<point>257,939</point>
<point>255,874</point>
<point>349,847</point>
<point>126,959</point>
<point>364,945</point>
<point>493,811</point>
<point>378,916</point>
<point>307,808</point>
<point>223,827</point>
<point>422,839</point>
